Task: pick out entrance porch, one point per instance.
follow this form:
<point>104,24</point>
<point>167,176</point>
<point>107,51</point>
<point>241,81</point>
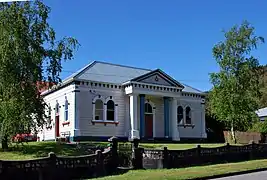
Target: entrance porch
<point>153,114</point>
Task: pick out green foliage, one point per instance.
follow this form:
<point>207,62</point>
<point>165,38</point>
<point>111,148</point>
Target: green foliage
<point>259,126</point>
<point>236,87</point>
<point>29,53</point>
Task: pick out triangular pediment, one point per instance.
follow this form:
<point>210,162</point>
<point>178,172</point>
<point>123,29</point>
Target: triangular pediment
<point>158,77</point>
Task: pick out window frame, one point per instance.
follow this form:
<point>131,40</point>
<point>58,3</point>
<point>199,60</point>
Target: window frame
<point>49,117</point>
<point>188,116</point>
<point>105,111</point>
<point>110,110</point>
<point>95,110</point>
<point>181,121</point>
<point>66,110</point>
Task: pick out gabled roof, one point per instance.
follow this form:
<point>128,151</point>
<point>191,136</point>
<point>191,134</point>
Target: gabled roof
<point>108,72</point>
<point>160,73</point>
<point>114,73</point>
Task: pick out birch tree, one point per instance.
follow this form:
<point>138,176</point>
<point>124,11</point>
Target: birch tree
<point>236,87</point>
<point>29,53</point>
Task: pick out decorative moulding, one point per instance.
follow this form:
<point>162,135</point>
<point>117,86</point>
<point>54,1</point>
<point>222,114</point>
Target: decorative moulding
<point>186,125</point>
<point>66,123</point>
<point>104,122</point>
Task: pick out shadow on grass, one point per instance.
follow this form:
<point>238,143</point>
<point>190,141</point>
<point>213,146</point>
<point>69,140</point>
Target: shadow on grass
<point>41,149</point>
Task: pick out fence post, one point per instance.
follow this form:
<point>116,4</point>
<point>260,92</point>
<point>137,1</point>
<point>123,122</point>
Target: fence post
<point>166,160</point>
<point>138,158</point>
<point>114,150</point>
<point>198,159</point>
<point>4,174</point>
<point>100,164</point>
<point>251,154</point>
<point>52,166</point>
<point>135,143</point>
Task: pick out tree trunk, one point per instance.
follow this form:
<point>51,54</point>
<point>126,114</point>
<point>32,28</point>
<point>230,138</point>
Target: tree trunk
<point>233,133</point>
<point>5,143</point>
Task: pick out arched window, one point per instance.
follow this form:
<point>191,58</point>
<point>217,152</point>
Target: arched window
<point>110,110</point>
<point>66,109</point>
<point>99,109</point>
<point>49,112</point>
<point>180,114</point>
<point>57,108</point>
<point>49,117</point>
<point>148,108</point>
<point>188,115</point>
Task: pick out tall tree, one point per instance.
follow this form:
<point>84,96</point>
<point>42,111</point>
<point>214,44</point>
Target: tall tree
<point>29,53</point>
<point>236,87</point>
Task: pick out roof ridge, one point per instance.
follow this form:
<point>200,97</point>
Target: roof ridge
<point>104,62</point>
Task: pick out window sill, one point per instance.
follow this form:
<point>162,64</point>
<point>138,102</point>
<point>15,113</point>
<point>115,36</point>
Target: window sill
<point>105,122</point>
<point>186,125</point>
<point>66,123</point>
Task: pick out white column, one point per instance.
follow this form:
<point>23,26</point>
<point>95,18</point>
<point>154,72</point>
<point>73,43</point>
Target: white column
<point>75,106</point>
<point>174,125</point>
<point>134,133</point>
<point>204,134</point>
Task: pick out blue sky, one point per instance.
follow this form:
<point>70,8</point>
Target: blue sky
<point>174,35</point>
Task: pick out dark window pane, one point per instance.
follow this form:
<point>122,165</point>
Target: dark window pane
<point>148,108</point>
<point>110,105</point>
<point>180,114</point>
<point>110,115</point>
<point>66,115</point>
<point>99,114</point>
<point>66,105</point>
<point>98,104</point>
<point>188,115</point>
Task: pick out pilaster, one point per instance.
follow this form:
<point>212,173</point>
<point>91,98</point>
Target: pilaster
<point>134,133</point>
<point>76,117</point>
<point>142,115</point>
<point>203,119</point>
<point>166,116</point>
<point>174,124</point>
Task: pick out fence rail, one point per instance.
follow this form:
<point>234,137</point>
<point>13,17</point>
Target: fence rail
<point>53,167</point>
<point>106,162</point>
<point>155,159</point>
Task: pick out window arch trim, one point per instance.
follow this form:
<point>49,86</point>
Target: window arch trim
<point>184,123</point>
<point>105,120</point>
<point>188,116</point>
<point>94,108</point>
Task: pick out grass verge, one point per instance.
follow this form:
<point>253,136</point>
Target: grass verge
<point>178,146</point>
<point>33,150</point>
<point>189,173</point>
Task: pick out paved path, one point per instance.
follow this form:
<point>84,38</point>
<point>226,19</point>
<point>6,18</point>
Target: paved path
<point>252,176</point>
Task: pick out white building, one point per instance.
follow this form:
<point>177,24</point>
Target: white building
<point>262,113</point>
<point>104,100</point>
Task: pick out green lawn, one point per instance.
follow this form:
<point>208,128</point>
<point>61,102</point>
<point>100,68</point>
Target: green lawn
<point>34,150</point>
<point>177,146</point>
<point>189,173</point>
<point>41,149</point>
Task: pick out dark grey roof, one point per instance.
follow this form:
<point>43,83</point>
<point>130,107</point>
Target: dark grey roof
<point>262,112</point>
<point>114,73</point>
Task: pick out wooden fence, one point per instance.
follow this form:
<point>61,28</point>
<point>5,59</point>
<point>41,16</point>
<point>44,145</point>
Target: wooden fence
<point>157,159</point>
<point>106,162</point>
<point>53,168</point>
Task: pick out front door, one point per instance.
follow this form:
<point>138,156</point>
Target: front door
<point>149,125</point>
<point>57,126</point>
